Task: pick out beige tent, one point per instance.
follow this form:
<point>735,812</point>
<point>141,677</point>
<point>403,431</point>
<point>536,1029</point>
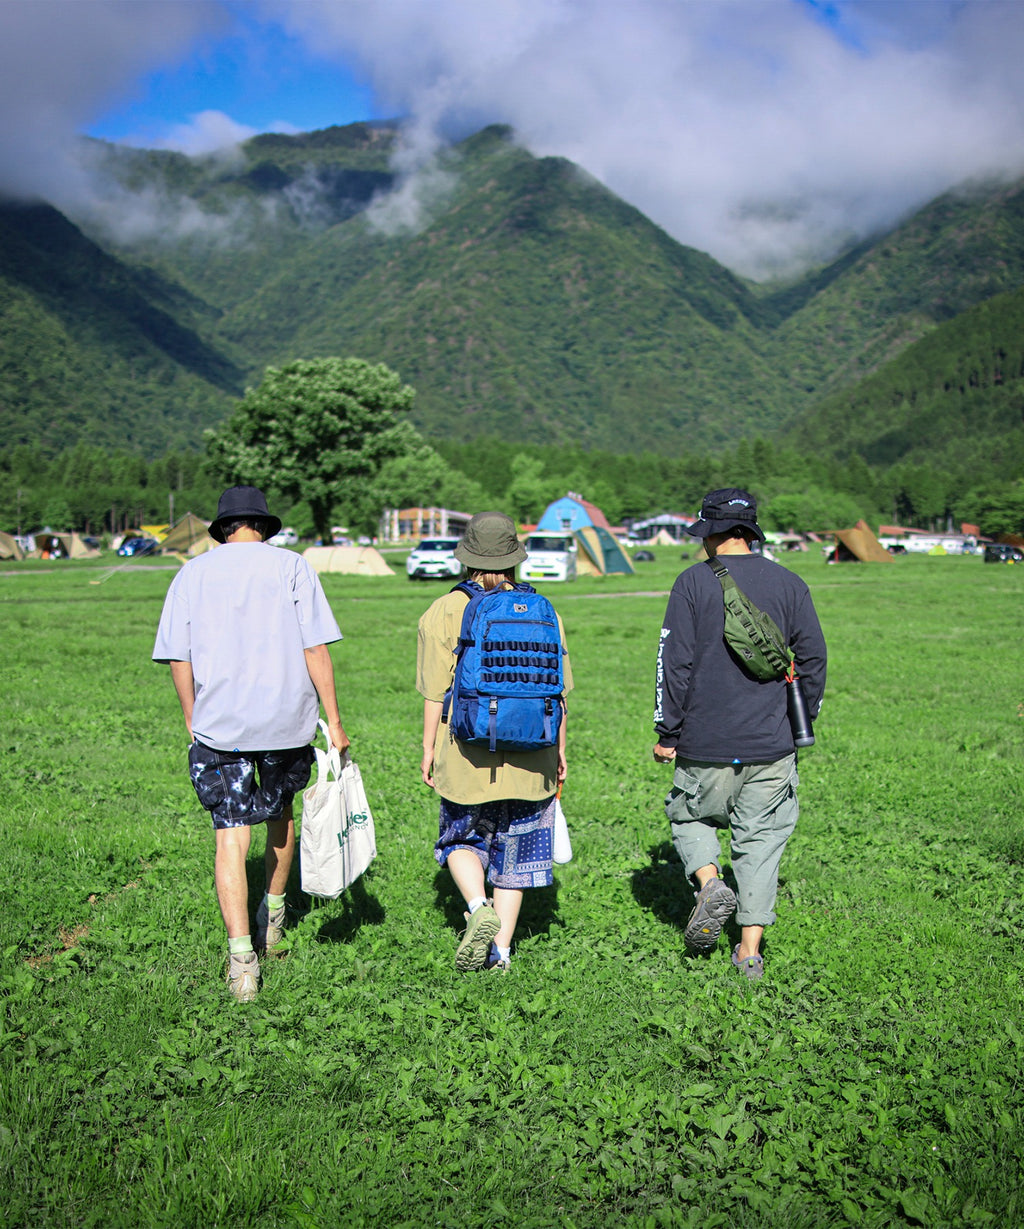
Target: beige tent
<point>9,548</point>
<point>353,560</point>
<point>190,537</point>
<point>860,543</point>
<point>70,546</point>
<point>662,538</point>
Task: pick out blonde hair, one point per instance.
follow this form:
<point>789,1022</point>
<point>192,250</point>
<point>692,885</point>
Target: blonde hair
<point>492,580</point>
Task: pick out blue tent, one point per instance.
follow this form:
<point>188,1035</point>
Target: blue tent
<point>569,514</point>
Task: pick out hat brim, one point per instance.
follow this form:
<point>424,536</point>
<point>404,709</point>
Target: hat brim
<point>489,563</point>
<point>704,529</point>
<point>273,524</point>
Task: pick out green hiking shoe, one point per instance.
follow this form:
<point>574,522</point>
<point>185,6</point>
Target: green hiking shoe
<point>475,947</point>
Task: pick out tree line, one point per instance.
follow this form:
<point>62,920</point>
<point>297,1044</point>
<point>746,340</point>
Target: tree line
<point>332,440</point>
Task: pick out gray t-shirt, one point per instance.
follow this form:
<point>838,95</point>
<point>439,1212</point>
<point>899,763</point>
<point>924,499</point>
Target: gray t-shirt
<point>242,615</point>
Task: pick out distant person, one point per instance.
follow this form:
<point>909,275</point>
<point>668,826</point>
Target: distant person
<point>729,734</point>
<point>245,629</point>
<point>497,807</point>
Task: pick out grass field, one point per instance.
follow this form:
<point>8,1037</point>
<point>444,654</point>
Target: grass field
<point>872,1078</point>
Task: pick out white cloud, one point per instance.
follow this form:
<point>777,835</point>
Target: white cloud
<point>62,62</point>
<point>762,131</point>
<point>749,128</point>
<point>208,132</point>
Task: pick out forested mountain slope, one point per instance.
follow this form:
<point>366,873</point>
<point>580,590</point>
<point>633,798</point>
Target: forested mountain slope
<point>93,349</point>
<point>534,302</point>
<point>527,301</point>
<point>954,399</point>
<point>843,323</point>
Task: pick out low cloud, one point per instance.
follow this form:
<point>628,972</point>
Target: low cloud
<point>766,133</point>
<point>63,63</point>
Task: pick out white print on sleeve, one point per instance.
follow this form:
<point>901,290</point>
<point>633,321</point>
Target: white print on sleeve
<point>659,686</point>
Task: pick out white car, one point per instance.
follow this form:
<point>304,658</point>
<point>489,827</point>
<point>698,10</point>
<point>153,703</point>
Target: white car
<point>284,537</point>
<point>549,556</point>
<point>434,559</point>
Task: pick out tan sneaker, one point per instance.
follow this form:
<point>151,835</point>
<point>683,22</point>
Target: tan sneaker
<point>269,930</point>
<point>244,977</point>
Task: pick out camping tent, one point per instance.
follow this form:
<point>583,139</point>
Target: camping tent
<point>354,560</point>
<point>190,537</point>
<point>571,513</point>
<point>860,543</point>
<point>9,548</point>
<point>599,553</point>
<point>69,546</point>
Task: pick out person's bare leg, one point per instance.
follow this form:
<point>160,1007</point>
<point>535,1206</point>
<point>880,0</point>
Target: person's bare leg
<point>280,852</point>
<point>232,846</point>
<point>507,903</point>
<point>704,873</point>
<point>750,942</point>
<point>468,872</point>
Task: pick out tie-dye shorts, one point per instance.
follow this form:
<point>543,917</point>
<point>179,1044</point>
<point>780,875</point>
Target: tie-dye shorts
<point>241,788</point>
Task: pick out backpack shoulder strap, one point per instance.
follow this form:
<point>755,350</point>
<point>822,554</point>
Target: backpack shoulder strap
<point>722,572</point>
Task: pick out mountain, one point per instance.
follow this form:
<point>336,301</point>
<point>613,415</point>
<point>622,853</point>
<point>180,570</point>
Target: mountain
<point>845,322</point>
<point>518,295</point>
<point>91,348</point>
<point>953,400</point>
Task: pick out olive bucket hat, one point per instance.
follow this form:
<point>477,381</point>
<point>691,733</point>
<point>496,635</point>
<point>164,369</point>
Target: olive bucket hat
<point>726,509</point>
<point>242,503</point>
<point>490,543</point>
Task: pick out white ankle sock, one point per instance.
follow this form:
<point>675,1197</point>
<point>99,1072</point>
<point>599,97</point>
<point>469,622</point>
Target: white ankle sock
<point>475,903</point>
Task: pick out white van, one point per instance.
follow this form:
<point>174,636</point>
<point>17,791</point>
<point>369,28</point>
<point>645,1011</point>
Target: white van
<point>549,556</point>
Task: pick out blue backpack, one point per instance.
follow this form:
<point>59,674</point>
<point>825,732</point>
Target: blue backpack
<point>507,690</point>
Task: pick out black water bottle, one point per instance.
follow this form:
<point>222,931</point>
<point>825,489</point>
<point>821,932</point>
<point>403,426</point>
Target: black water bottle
<point>799,719</point>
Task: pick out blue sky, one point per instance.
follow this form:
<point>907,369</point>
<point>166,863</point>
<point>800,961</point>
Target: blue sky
<point>766,132</point>
<point>253,71</point>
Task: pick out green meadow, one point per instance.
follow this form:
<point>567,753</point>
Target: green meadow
<point>874,1077</point>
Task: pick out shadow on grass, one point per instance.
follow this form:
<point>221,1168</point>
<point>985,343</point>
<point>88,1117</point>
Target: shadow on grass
<point>663,888</point>
<point>358,909</point>
<point>358,906</point>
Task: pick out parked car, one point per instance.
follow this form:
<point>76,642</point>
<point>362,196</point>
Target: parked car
<point>1003,552</point>
<point>138,546</point>
<point>284,537</point>
<point>549,556</point>
<point>434,559</point>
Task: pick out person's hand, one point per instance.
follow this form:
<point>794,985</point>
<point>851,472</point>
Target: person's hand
<point>339,738</point>
<point>427,767</point>
<point>562,768</point>
<point>664,755</point>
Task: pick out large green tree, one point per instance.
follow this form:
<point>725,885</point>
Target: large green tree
<point>317,430</point>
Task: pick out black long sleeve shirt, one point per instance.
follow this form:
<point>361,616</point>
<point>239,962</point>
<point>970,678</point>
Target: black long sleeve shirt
<point>706,705</point>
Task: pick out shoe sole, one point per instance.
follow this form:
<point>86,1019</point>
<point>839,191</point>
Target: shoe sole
<point>707,919</point>
<point>472,952</point>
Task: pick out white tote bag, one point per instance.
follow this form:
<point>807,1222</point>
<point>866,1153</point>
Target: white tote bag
<point>562,846</point>
<point>337,840</point>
